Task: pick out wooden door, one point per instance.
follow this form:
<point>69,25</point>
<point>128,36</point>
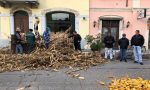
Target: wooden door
<point>21,20</point>
<point>111,26</point>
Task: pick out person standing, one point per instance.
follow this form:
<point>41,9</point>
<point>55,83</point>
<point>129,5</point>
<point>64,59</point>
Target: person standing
<point>37,39</point>
<point>46,37</point>
<point>109,41</point>
<point>19,47</point>
<point>37,21</point>
<point>30,38</point>
<point>77,41</point>
<point>137,42</point>
<point>123,43</point>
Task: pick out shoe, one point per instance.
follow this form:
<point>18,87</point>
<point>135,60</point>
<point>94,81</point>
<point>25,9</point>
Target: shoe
<point>141,63</point>
<point>135,62</point>
<point>120,60</point>
<point>125,60</point>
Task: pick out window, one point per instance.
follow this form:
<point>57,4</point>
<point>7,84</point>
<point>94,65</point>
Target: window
<point>60,16</point>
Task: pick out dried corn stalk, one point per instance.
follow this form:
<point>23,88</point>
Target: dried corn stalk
<point>59,55</point>
<point>130,84</point>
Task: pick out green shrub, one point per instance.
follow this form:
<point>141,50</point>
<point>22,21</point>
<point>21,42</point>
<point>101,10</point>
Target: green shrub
<point>96,43</point>
<point>89,38</point>
<point>96,46</point>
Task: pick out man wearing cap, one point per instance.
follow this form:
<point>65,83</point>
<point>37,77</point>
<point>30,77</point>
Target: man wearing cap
<point>123,43</point>
<point>19,48</point>
<point>30,37</point>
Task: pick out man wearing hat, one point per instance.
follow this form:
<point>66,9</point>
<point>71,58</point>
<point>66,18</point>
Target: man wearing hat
<point>123,43</point>
<point>19,48</point>
<point>30,38</point>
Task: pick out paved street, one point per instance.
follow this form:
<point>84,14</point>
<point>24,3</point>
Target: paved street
<point>50,80</point>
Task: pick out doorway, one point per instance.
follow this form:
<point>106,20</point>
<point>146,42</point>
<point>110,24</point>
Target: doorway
<point>111,26</point>
<point>59,21</point>
<point>21,20</point>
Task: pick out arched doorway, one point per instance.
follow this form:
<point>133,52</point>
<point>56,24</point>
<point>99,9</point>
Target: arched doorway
<point>59,21</point>
<point>21,20</point>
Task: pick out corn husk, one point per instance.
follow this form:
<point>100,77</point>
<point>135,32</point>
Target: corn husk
<point>59,55</point>
<point>130,84</point>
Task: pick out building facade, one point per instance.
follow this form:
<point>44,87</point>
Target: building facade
<point>120,16</point>
<point>55,14</point>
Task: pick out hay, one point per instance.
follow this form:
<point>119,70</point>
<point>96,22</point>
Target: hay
<point>59,55</point>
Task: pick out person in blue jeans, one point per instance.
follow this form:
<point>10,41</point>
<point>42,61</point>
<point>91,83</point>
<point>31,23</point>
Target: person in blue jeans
<point>109,44</point>
<point>123,43</point>
<point>137,42</point>
<point>19,47</point>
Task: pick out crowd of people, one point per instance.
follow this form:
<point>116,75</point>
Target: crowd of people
<point>137,42</point>
<point>31,39</point>
<point>34,40</point>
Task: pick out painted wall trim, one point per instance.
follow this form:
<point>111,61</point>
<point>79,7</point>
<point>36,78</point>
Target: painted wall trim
<point>136,3</point>
<point>30,22</point>
<point>43,23</point>
<point>117,9</point>
<point>0,27</point>
<point>12,25</point>
<point>60,9</point>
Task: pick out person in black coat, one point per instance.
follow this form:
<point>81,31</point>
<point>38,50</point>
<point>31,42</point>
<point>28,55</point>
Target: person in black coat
<point>123,43</point>
<point>137,42</point>
<point>77,41</point>
<point>109,41</point>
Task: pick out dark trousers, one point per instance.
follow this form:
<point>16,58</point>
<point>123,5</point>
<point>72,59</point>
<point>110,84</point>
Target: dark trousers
<point>123,54</point>
<point>77,46</point>
<point>30,47</point>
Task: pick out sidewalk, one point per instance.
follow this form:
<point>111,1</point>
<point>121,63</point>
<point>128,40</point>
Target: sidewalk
<point>50,80</point>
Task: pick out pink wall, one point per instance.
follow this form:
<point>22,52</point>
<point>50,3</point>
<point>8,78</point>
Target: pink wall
<point>110,3</point>
<point>145,3</point>
<point>130,15</point>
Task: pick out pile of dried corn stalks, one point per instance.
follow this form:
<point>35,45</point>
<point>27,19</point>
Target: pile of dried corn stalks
<point>60,54</point>
<point>130,84</point>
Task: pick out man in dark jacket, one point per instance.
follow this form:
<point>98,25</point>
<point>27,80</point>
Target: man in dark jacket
<point>137,42</point>
<point>30,37</point>
<point>19,47</point>
<point>109,41</point>
<point>123,43</point>
<point>77,41</point>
